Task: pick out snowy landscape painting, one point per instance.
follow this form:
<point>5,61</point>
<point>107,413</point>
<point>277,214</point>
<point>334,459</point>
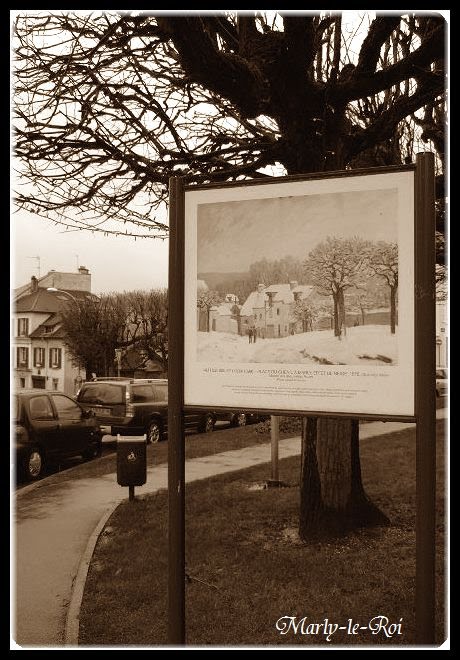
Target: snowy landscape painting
<point>306,279</point>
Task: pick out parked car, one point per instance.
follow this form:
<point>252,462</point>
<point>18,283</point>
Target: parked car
<point>137,406</point>
<point>442,382</point>
<point>51,426</point>
<point>238,418</point>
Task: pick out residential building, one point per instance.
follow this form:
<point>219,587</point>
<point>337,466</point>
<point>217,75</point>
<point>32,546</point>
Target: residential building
<point>270,309</point>
<point>224,317</point>
<point>40,357</point>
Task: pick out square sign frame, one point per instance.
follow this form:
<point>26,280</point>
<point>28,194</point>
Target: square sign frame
<point>366,371</point>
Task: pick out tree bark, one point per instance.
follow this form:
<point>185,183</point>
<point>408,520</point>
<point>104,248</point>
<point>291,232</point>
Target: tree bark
<point>342,320</point>
<point>393,309</point>
<point>332,496</point>
<point>336,315</point>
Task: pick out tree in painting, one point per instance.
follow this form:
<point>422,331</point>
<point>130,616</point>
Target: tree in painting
<point>333,266</point>
<point>205,301</point>
<point>383,262</point>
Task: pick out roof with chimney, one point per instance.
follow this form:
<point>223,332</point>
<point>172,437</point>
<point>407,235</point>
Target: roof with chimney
<point>48,301</point>
<point>283,293</point>
<point>255,300</point>
<point>49,280</point>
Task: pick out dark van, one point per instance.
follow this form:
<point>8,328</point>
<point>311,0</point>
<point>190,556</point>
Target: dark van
<point>136,406</point>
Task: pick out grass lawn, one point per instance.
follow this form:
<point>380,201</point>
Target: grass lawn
<point>248,568</point>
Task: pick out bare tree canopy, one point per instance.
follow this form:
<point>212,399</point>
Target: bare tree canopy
<point>110,105</point>
<point>131,320</point>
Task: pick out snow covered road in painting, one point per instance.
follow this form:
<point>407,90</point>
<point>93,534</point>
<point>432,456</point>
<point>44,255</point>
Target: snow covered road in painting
<point>373,344</point>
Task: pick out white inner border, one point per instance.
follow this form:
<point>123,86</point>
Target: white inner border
<point>384,390</point>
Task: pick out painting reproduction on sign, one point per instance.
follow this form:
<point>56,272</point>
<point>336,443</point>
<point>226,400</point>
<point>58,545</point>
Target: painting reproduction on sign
<point>301,281</point>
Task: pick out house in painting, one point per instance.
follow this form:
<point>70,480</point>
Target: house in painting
<point>269,309</point>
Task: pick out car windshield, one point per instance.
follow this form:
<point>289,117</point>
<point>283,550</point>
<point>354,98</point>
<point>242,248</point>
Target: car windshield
<point>103,393</point>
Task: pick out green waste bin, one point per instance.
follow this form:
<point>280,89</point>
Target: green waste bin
<point>131,460</point>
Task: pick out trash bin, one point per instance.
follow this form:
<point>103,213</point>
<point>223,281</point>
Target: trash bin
<point>131,460</point>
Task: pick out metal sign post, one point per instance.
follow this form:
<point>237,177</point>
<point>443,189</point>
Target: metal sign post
<point>425,397</point>
<point>176,449</point>
<point>275,438</point>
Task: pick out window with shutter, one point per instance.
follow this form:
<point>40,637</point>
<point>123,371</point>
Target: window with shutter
<point>55,358</point>
<point>22,356</point>
<point>39,357</point>
<point>23,327</point>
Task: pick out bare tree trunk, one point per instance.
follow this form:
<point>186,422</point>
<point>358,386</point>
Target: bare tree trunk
<point>342,319</point>
<point>393,309</point>
<point>332,497</point>
<point>336,315</point>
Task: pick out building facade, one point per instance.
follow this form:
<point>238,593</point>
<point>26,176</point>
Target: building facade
<point>40,357</point>
<point>269,309</point>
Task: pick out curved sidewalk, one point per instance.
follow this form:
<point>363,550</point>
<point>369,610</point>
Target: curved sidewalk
<point>54,523</point>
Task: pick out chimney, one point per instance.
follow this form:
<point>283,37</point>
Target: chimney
<point>293,284</point>
<point>33,284</point>
<point>83,270</point>
<point>260,288</point>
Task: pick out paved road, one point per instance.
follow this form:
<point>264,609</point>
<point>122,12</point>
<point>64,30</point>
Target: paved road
<point>55,521</point>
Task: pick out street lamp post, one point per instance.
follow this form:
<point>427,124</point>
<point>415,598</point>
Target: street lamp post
<point>53,289</point>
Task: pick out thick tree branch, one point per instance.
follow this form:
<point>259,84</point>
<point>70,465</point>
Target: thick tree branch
<point>379,31</point>
<point>225,74</point>
<point>359,86</point>
<point>299,42</point>
<point>383,128</point>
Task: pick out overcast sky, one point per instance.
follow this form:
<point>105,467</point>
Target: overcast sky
<point>115,263</point>
<point>233,235</point>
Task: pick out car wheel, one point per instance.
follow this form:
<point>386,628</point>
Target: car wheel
<point>93,451</point>
<point>34,464</point>
<point>153,433</point>
<point>239,419</point>
<point>207,425</point>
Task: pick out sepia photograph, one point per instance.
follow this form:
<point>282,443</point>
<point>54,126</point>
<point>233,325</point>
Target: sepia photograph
<point>229,330</point>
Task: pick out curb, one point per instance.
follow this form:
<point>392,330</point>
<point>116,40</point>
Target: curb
<point>72,626</point>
